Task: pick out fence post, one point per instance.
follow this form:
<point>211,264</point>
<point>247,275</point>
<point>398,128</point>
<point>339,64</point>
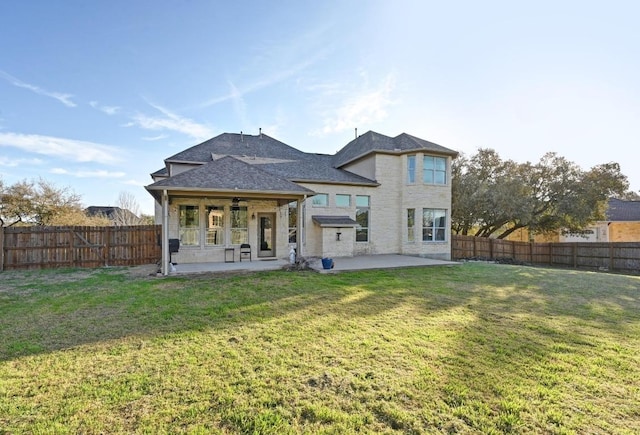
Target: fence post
<point>72,249</point>
<point>531,252</point>
<point>1,248</point>
<point>107,236</point>
<point>491,249</point>
<point>611,262</point>
<point>575,255</point>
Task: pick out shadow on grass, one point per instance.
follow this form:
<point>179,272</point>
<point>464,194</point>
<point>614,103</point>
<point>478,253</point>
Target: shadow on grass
<point>48,311</point>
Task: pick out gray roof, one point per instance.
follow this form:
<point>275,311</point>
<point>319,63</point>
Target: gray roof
<point>372,142</point>
<point>620,210</point>
<point>232,144</point>
<point>229,173</point>
<point>315,168</point>
<point>334,221</point>
<point>261,163</point>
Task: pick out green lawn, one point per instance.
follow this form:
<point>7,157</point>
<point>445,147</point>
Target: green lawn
<point>476,348</point>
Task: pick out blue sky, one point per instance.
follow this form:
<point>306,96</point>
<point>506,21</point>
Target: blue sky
<point>94,95</point>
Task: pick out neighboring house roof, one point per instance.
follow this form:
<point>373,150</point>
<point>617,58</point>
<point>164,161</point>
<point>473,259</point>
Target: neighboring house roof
<point>620,210</point>
<point>229,173</point>
<point>372,142</point>
<point>334,221</point>
<point>108,211</point>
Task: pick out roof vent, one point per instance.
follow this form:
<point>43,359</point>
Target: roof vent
<point>260,130</point>
<point>241,136</point>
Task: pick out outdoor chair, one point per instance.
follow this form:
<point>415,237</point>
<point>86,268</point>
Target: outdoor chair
<point>245,249</point>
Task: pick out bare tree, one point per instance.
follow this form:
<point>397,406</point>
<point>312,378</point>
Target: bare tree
<point>40,203</point>
<point>127,211</point>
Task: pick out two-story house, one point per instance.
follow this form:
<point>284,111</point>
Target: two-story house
<point>377,195</point>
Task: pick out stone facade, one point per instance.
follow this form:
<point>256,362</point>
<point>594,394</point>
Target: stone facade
<point>388,204</point>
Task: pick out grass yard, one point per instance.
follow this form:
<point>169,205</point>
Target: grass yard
<point>476,348</point>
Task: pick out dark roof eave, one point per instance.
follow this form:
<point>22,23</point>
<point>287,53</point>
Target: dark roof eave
<point>342,183</point>
<point>185,162</point>
<point>306,191</point>
<point>325,221</point>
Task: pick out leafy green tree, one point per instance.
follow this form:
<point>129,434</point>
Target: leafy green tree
<point>495,197</point>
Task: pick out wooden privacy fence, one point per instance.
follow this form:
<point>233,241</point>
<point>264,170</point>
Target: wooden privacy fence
<point>619,257</point>
<point>46,247</point>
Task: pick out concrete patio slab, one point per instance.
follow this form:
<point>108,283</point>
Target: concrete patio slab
<point>383,261</point>
<point>238,266</point>
<point>361,262</point>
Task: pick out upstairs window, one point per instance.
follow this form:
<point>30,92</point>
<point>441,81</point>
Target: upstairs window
<point>411,169</point>
<point>434,170</point>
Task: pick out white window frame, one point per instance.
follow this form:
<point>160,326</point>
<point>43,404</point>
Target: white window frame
<point>359,210</point>
<point>411,225</point>
<point>411,169</point>
<point>214,231</point>
<point>239,234</point>
<point>189,234</point>
<point>430,228</point>
<point>434,173</point>
<point>315,198</point>
<point>343,195</point>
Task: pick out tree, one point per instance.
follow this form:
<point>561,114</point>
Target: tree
<point>128,210</point>
<point>494,197</point>
<point>41,203</point>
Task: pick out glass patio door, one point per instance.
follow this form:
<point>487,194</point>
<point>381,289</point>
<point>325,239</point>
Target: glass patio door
<point>266,234</point>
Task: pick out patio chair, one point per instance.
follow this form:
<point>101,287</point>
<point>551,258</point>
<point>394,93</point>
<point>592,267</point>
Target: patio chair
<point>245,249</point>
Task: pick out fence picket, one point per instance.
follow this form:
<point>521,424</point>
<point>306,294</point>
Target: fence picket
<point>613,256</point>
<point>48,247</point>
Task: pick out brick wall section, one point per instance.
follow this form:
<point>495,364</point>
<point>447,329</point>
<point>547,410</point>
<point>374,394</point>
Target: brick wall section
<point>624,232</point>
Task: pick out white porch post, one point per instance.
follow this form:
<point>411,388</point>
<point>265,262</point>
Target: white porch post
<point>300,228</point>
<point>165,233</point>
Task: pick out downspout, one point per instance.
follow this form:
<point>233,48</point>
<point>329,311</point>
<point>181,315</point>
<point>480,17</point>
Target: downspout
<point>165,233</point>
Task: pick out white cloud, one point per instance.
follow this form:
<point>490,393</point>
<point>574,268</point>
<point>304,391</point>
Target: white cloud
<point>109,110</point>
<point>366,107</point>
<point>173,122</point>
<point>100,173</point>
<point>63,98</point>
<point>11,163</point>
<point>66,149</point>
<point>132,182</point>
<point>154,138</point>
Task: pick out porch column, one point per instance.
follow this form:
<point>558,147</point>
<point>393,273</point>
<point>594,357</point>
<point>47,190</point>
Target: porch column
<point>165,233</point>
<point>300,227</point>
